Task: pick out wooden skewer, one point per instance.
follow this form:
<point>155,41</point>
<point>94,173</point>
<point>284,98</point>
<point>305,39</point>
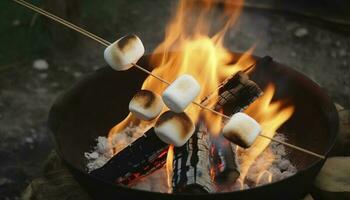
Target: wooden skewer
<point>107,43</point>
<point>293,146</point>
<point>150,73</point>
<point>82,31</point>
<point>63,22</point>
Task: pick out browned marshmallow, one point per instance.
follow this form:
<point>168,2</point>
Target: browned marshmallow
<point>146,105</point>
<point>122,53</point>
<point>179,94</point>
<point>242,130</point>
<point>174,128</point>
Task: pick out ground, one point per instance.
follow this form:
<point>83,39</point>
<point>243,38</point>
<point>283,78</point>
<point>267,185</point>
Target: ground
<point>26,93</point>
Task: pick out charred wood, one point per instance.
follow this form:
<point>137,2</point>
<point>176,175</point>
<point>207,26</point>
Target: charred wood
<point>224,161</point>
<point>191,164</point>
<point>140,158</point>
<point>196,167</point>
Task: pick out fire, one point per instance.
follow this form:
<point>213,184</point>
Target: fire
<point>169,166</point>
<point>189,47</point>
<point>264,174</point>
<point>270,115</point>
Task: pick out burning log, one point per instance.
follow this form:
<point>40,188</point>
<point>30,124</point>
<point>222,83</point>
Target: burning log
<point>148,153</point>
<point>196,166</point>
<point>239,91</point>
<point>202,161</point>
<point>237,94</point>
<point>191,164</point>
<point>143,156</point>
<point>224,162</point>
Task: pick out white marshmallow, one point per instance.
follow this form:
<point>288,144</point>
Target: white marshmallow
<point>181,93</point>
<point>122,53</point>
<point>242,130</point>
<point>146,105</point>
<point>174,128</point>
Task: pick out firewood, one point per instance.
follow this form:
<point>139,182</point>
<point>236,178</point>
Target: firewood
<point>237,94</point>
<point>195,169</point>
<point>148,153</point>
<point>224,161</point>
<point>142,157</point>
<point>191,164</point>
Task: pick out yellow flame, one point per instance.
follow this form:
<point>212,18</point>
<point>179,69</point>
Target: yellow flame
<point>189,48</point>
<point>241,184</point>
<point>169,167</point>
<point>261,175</point>
<point>270,115</point>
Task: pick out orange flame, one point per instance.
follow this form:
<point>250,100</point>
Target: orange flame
<point>189,48</point>
<point>270,115</point>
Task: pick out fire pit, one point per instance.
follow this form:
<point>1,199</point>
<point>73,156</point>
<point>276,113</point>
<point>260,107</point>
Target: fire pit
<point>100,100</point>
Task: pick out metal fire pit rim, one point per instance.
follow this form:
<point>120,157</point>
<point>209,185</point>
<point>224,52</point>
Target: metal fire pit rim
<point>299,172</point>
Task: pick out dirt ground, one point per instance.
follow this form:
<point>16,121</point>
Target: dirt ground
<point>27,92</point>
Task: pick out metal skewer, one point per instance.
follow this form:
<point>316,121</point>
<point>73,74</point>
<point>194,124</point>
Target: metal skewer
<point>107,43</point>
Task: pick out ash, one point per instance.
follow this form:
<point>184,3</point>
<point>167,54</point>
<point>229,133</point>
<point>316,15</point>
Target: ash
<point>103,151</point>
<point>279,166</point>
<point>271,166</point>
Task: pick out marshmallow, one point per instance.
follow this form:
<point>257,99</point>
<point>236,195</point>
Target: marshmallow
<point>174,128</point>
<point>122,53</point>
<point>241,130</point>
<point>146,105</point>
<point>181,93</point>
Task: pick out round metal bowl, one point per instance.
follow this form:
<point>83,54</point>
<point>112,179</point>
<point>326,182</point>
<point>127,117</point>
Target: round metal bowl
<point>100,100</point>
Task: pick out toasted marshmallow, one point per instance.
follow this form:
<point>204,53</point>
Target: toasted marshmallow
<point>181,93</point>
<point>174,128</point>
<point>146,105</point>
<point>242,130</point>
<point>122,53</point>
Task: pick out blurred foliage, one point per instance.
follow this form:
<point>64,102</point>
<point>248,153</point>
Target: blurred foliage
<point>24,35</point>
<point>19,40</point>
